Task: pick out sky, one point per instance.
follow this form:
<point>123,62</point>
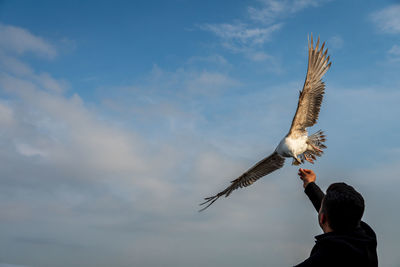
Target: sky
<point>118,118</point>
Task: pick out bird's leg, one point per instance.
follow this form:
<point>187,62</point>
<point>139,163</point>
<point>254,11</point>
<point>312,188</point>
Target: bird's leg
<point>308,159</point>
<point>296,161</point>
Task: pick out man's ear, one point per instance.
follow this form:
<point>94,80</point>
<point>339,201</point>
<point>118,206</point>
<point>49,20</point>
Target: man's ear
<point>322,218</point>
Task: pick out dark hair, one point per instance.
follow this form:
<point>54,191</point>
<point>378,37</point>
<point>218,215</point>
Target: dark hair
<point>343,207</point>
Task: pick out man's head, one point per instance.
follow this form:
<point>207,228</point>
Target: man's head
<point>341,208</point>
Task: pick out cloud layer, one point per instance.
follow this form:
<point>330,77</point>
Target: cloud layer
<point>272,10</point>
<point>387,19</point>
<point>18,40</point>
<point>248,36</point>
<point>117,181</point>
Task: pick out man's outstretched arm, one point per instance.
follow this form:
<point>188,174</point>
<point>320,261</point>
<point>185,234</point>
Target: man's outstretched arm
<point>312,190</point>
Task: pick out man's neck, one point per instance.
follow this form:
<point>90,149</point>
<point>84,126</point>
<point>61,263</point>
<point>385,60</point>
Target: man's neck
<point>326,228</point>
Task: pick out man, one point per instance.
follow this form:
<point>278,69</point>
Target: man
<point>347,241</point>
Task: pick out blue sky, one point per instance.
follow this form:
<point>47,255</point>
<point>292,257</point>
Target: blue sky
<point>117,119</point>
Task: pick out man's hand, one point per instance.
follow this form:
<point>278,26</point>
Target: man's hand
<point>307,176</point>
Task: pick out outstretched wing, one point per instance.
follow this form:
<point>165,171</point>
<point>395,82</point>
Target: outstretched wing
<point>262,168</point>
<point>310,98</point>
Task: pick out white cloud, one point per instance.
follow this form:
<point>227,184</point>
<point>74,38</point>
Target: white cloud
<point>49,83</point>
<point>14,65</point>
<point>19,40</point>
<point>106,185</point>
<point>28,150</point>
<point>6,115</point>
<point>242,38</point>
<point>258,56</point>
<point>395,50</point>
<point>172,99</point>
<point>241,33</point>
<point>245,38</point>
<point>335,42</point>
<point>272,10</point>
<point>18,68</point>
<point>210,83</point>
<point>80,137</point>
<point>388,19</point>
<point>394,53</point>
<point>99,182</point>
<point>14,42</point>
<point>191,81</point>
<point>213,59</point>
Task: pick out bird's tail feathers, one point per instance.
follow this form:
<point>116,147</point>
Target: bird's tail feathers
<point>318,139</point>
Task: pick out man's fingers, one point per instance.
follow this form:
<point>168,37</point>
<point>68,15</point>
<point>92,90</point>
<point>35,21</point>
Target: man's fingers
<point>305,171</point>
<point>301,175</point>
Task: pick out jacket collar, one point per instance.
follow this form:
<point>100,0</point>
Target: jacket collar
<point>357,230</point>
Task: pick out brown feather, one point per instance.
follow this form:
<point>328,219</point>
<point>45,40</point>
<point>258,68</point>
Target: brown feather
<point>311,96</point>
<point>260,169</point>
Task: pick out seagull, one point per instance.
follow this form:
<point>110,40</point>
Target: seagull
<point>297,144</point>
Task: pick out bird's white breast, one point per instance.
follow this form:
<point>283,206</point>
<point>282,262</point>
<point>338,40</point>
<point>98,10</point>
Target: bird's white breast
<point>292,146</point>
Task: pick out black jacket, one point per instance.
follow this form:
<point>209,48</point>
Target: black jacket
<point>355,248</point>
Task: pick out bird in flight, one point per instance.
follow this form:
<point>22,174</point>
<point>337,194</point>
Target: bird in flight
<point>297,144</point>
